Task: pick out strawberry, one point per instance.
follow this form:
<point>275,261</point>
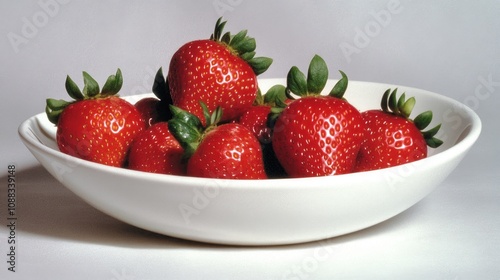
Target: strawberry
<point>392,138</point>
<point>256,119</point>
<point>228,151</point>
<point>220,72</point>
<point>98,126</point>
<point>148,108</point>
<point>153,109</point>
<point>317,135</point>
<point>156,150</point>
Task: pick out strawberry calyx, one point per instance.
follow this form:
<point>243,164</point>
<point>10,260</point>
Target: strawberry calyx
<point>317,76</point>
<point>298,85</point>
<point>241,45</point>
<point>160,87</point>
<point>91,90</point>
<point>403,107</point>
<point>188,128</point>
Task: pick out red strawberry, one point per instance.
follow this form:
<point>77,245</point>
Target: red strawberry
<point>98,126</point>
<point>255,118</point>
<point>228,151</point>
<point>156,150</point>
<point>392,138</point>
<point>154,110</point>
<point>148,108</point>
<point>317,135</point>
<point>220,72</point>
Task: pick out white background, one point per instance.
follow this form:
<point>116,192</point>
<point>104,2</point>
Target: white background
<point>448,47</point>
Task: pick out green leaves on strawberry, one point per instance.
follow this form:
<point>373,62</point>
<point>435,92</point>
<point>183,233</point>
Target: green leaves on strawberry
<point>220,72</point>
<point>392,138</point>
<point>315,82</point>
<point>241,45</point>
<point>317,135</point>
<point>97,125</point>
<point>156,109</point>
<point>227,151</point>
<point>90,91</point>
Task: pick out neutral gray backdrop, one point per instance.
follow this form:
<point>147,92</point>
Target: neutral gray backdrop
<point>448,47</point>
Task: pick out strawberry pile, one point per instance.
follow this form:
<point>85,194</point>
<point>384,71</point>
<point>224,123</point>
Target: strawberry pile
<point>209,119</point>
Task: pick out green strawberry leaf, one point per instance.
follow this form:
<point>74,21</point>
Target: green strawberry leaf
<point>73,90</point>
<point>91,87</point>
<point>401,100</point>
<point>113,84</point>
<point>317,75</point>
<point>206,112</point>
<point>431,132</point>
<point>260,64</point>
<point>340,87</point>
<point>219,28</point>
<point>160,88</point>
<point>226,38</point>
<point>407,107</point>
<point>296,82</point>
<point>433,142</point>
<point>247,56</point>
<point>54,108</point>
<point>423,120</point>
<point>393,102</point>
<point>185,117</point>
<point>216,116</point>
<point>238,38</point>
<point>242,44</point>
<point>275,94</point>
<point>385,100</point>
<point>186,128</point>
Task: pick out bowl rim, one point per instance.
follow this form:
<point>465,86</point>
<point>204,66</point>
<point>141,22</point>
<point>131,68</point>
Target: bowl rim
<point>475,126</point>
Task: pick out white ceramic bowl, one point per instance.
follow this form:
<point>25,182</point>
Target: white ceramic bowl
<point>265,212</point>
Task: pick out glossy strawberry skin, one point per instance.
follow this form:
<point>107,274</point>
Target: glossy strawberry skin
<point>229,151</point>
<point>156,150</point>
<point>255,119</point>
<point>100,130</point>
<point>207,71</point>
<point>390,140</point>
<point>152,110</point>
<point>318,136</point>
